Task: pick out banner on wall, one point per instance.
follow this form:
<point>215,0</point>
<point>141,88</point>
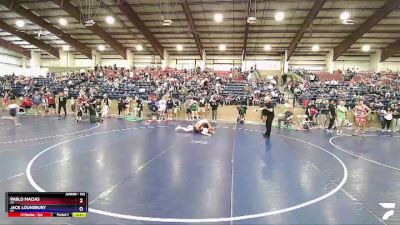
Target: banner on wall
<point>263,65</point>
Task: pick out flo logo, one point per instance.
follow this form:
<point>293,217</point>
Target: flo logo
<point>390,212</point>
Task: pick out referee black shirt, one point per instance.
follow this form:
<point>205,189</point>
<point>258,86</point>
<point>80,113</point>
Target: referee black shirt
<point>269,106</point>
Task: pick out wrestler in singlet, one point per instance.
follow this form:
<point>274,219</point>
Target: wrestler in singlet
<point>198,127</point>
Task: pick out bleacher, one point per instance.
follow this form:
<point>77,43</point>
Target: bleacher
<point>234,89</point>
<point>326,76</point>
<point>363,84</point>
<point>142,83</point>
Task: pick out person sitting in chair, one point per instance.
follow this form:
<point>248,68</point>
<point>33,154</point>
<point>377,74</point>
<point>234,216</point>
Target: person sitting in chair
<point>287,117</point>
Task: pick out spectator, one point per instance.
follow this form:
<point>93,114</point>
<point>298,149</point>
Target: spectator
<point>51,103</point>
<point>396,118</point>
<point>37,102</point>
<point>194,108</point>
<point>153,109</point>
<point>202,107</point>
<point>72,102</point>
<point>284,79</point>
<point>170,108</point>
<point>388,118</point>
<point>287,117</point>
<point>324,113</point>
<point>214,108</point>
<point>121,106</point>
<point>62,103</point>
<point>382,113</point>
<point>5,101</point>
<point>242,110</point>
<point>162,109</point>
<point>105,106</point>
<point>188,111</point>
<point>361,111</point>
<point>26,104</point>
<point>332,115</point>
<point>341,117</point>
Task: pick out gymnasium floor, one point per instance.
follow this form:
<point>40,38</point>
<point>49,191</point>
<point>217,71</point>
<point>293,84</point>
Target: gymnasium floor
<point>139,173</point>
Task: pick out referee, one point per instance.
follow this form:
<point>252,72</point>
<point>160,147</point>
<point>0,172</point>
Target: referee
<point>62,103</point>
<point>269,112</point>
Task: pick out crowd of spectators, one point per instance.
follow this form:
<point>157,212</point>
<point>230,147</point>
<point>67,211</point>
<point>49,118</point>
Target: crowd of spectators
<point>137,86</point>
<point>170,90</point>
<point>380,92</point>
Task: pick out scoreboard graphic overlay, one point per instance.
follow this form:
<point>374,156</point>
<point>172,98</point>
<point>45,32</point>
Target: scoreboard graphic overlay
<point>47,204</point>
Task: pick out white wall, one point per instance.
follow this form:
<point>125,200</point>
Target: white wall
<point>110,60</point>
<point>222,62</point>
<point>227,62</point>
<point>9,61</point>
<point>141,61</point>
<point>10,58</point>
<point>343,65</point>
<point>264,63</point>
<point>7,69</point>
<point>50,63</point>
<point>308,62</point>
<point>391,64</point>
<point>106,60</point>
<point>184,61</point>
<point>345,62</point>
<point>83,63</point>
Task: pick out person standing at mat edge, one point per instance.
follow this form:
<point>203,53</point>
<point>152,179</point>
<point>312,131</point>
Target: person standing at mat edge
<point>214,108</point>
<point>269,113</point>
<point>62,103</point>
<point>332,115</point>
